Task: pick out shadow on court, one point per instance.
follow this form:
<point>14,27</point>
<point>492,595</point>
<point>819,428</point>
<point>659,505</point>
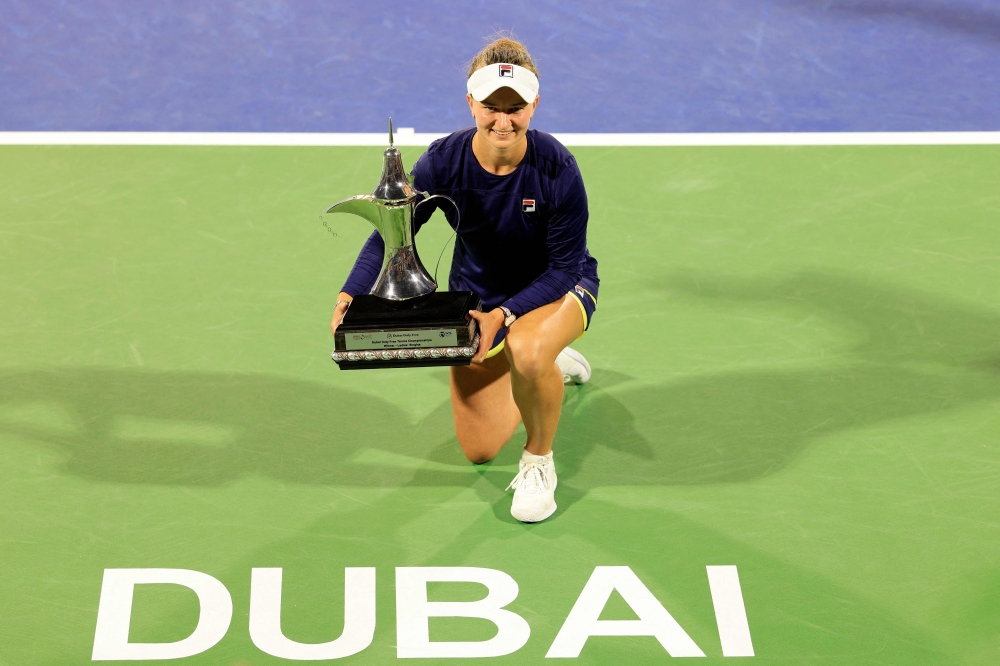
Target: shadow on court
<point>918,356</point>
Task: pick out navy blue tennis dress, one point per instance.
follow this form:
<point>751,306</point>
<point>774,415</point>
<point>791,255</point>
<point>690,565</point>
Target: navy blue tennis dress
<point>522,240</point>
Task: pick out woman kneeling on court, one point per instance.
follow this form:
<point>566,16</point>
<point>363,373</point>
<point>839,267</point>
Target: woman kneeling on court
<point>522,246</point>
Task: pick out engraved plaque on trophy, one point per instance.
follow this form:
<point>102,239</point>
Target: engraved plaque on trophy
<point>403,322</point>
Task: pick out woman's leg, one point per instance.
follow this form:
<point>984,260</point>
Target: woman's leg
<point>489,400</point>
<point>533,342</point>
<point>483,407</point>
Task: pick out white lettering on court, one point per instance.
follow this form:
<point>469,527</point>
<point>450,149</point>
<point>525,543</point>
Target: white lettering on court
<point>654,620</point>
<point>730,613</point>
<point>413,611</point>
<point>359,617</point>
<point>114,614</point>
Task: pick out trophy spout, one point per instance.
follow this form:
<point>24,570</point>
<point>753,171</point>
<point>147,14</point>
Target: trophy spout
<point>363,206</point>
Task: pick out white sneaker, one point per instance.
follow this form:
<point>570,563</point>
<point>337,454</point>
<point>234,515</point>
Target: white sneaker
<point>534,488</point>
<point>574,367</point>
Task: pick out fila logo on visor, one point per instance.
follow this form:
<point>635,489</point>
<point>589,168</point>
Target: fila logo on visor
<point>507,70</point>
<point>528,205</point>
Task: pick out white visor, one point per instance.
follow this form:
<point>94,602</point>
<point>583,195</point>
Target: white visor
<point>487,80</point>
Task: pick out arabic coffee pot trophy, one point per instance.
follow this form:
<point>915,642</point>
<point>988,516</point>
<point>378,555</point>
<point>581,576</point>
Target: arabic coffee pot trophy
<point>403,321</point>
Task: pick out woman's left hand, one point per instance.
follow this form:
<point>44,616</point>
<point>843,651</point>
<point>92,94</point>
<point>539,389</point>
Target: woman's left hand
<point>489,323</point>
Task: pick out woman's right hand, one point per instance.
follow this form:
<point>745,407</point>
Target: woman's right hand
<point>343,302</point>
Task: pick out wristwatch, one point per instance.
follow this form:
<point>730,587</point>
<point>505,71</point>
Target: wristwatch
<point>508,317</point>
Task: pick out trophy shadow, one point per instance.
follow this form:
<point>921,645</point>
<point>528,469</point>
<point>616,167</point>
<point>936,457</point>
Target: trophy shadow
<point>174,428</point>
<point>919,355</point>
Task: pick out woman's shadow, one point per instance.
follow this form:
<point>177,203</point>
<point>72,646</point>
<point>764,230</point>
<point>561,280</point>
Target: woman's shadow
<point>917,355</point>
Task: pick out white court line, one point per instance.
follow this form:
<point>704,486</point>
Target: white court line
<point>406,137</point>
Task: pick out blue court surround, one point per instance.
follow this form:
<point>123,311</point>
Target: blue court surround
<point>665,66</point>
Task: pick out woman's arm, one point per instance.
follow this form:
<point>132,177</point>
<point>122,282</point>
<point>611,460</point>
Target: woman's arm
<point>366,268</point>
<point>343,302</point>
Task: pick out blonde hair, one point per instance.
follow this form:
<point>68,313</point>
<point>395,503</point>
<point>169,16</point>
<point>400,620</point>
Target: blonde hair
<point>503,49</point>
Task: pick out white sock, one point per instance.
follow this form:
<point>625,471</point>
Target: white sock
<point>530,457</point>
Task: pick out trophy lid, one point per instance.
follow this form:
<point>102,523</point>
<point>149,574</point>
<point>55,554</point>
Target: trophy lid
<point>394,185</point>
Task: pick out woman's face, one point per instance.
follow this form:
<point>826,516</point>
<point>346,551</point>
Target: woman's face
<point>502,118</point>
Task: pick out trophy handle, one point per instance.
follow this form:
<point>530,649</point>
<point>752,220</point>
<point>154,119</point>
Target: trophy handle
<point>458,220</point>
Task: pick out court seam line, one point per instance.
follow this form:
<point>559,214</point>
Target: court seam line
<point>409,138</point>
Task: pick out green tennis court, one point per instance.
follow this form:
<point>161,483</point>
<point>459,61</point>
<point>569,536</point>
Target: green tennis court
<point>797,373</point>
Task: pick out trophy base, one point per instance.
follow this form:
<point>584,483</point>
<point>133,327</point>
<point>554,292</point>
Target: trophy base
<point>433,330</point>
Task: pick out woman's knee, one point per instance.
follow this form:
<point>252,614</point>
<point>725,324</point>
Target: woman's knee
<point>528,356</point>
<point>478,450</point>
<point>479,457</point>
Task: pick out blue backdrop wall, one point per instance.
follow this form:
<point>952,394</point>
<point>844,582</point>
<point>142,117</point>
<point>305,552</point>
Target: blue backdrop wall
<point>664,66</point>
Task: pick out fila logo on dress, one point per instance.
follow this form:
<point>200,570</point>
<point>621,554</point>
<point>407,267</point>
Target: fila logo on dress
<point>507,70</point>
<point>528,205</point>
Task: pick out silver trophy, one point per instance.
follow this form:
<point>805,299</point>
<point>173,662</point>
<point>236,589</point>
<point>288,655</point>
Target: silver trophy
<point>403,321</point>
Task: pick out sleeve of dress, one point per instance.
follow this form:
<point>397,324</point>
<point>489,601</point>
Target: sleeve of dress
<point>567,246</point>
<point>368,265</point>
<point>423,181</point>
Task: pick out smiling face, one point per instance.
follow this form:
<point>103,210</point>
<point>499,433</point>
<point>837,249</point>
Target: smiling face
<point>502,119</point>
